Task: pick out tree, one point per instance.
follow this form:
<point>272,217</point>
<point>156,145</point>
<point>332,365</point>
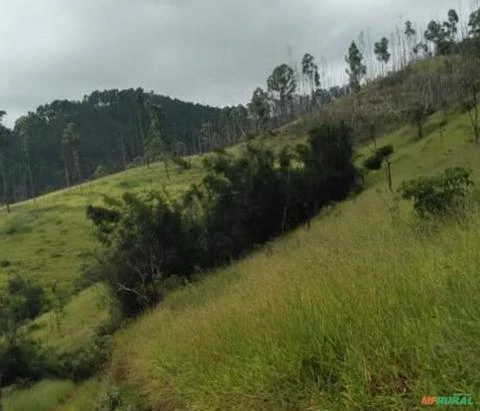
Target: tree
<point>5,148</point>
<point>356,69</point>
<point>23,126</point>
<point>310,74</point>
<point>443,36</point>
<point>158,144</point>
<point>420,47</point>
<point>259,107</point>
<point>474,24</point>
<point>468,88</point>
<point>283,82</point>
<point>451,25</point>
<point>409,30</point>
<point>417,115</point>
<point>439,194</point>
<point>71,155</point>
<point>435,34</point>
<point>381,51</point>
<point>20,301</point>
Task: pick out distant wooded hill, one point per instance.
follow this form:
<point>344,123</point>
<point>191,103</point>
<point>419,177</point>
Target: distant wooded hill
<point>67,142</point>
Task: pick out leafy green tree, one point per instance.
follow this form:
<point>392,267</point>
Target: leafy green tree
<point>310,74</point>
<point>411,35</point>
<point>382,53</point>
<point>283,82</point>
<point>158,145</point>
<point>443,36</point>
<point>474,24</point>
<point>356,70</point>
<point>439,194</point>
<point>23,126</point>
<point>410,32</point>
<point>451,25</point>
<point>260,108</point>
<point>435,34</point>
<point>71,155</point>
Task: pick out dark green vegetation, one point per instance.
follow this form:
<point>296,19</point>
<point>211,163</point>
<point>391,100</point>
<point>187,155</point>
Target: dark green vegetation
<point>67,142</point>
<point>439,194</point>
<point>375,161</point>
<point>245,200</point>
<point>24,359</point>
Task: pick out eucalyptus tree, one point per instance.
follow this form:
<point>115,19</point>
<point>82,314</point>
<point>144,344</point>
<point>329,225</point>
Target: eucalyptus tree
<point>382,53</point>
<point>310,75</point>
<point>356,70</point>
<point>283,84</point>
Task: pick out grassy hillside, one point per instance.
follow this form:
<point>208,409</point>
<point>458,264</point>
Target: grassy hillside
<point>366,309</point>
<point>50,238</point>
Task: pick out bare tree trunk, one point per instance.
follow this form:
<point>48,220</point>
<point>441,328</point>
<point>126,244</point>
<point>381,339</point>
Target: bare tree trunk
<point>5,186</point>
<point>476,130</point>
<point>388,171</point>
<point>122,148</point>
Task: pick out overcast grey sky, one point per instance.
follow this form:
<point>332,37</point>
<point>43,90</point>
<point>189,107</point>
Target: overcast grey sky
<point>208,51</point>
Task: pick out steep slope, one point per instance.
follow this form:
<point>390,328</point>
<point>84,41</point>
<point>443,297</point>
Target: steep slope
<point>368,309</point>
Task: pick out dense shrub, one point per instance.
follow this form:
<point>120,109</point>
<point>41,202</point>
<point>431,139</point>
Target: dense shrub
<point>375,161</point>
<point>154,244</point>
<point>28,295</point>
<point>150,243</point>
<point>23,359</point>
<point>439,194</point>
<point>20,357</point>
<point>87,361</point>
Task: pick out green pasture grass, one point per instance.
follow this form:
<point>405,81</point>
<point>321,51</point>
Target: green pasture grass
<point>370,309</point>
<point>43,396</point>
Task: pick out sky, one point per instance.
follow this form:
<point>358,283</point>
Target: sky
<point>214,52</point>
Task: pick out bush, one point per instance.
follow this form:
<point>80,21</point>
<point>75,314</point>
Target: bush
<point>440,194</point>
<point>385,151</point>
<point>29,296</point>
<point>20,357</point>
<point>87,361</point>
<point>23,360</point>
<point>375,161</point>
<point>147,242</point>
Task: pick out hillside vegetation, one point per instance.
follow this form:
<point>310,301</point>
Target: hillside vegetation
<point>369,309</point>
<point>289,271</point>
<point>281,329</point>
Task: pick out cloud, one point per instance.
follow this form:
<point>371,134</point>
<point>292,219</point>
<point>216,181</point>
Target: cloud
<point>210,51</point>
